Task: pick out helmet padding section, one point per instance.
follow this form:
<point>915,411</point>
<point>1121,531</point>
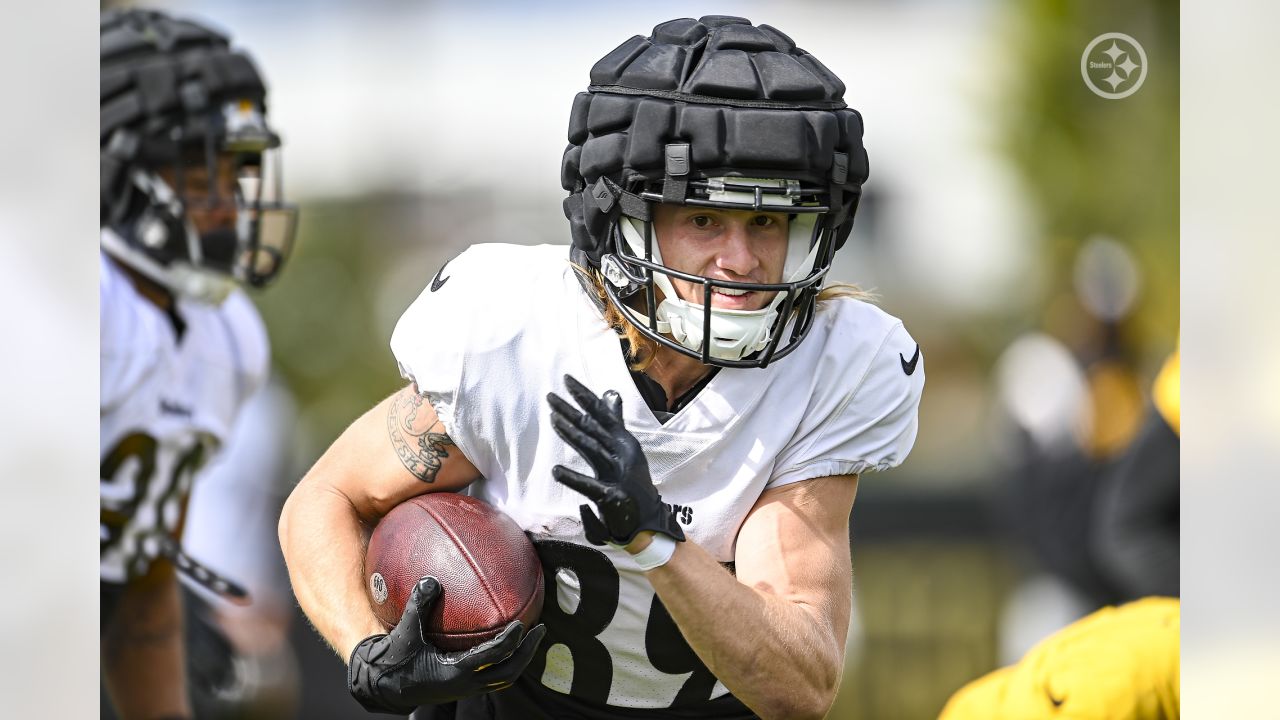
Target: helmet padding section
<point>159,73</point>
<point>173,91</point>
<point>655,68</point>
<point>685,31</point>
<point>726,74</point>
<point>746,101</point>
<point>727,59</point>
<point>724,141</point>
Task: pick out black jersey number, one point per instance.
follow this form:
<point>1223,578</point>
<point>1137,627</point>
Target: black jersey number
<point>579,630</point>
<point>669,652</point>
<point>139,448</point>
<point>136,453</point>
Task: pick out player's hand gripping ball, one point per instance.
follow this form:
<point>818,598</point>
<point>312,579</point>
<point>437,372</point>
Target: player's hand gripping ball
<point>398,671</point>
<point>457,584</point>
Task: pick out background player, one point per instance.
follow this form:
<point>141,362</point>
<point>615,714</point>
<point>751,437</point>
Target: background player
<point>713,172</point>
<point>1118,663</point>
<point>190,206</point>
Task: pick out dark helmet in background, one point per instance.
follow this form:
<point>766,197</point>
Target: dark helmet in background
<point>191,185</point>
<point>714,112</point>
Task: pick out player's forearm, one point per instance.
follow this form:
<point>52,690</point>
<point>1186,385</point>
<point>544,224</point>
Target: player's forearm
<point>322,540</point>
<point>770,652</point>
<point>142,653</point>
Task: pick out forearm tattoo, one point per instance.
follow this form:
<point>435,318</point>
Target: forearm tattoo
<point>421,446</point>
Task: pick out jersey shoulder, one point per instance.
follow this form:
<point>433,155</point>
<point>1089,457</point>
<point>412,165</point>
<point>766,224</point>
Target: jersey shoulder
<point>498,276</point>
<point>246,326</point>
<point>852,318</point>
<point>229,338</point>
<point>863,343</point>
<point>134,334</point>
<point>864,387</point>
<point>485,300</point>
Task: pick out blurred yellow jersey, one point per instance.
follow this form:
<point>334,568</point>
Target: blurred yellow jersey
<point>1167,392</point>
<point>1120,663</point>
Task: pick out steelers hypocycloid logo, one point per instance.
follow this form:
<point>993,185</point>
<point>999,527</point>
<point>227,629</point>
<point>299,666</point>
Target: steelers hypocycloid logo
<point>1114,65</point>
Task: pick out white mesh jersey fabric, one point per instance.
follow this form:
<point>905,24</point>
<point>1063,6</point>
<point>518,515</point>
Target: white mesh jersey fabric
<point>487,357</point>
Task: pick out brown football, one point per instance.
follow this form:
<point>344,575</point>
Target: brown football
<point>487,568</point>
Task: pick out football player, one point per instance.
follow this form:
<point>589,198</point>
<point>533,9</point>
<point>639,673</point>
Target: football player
<point>1118,663</point>
<point>1135,535</point>
<point>190,207</point>
<point>674,408</point>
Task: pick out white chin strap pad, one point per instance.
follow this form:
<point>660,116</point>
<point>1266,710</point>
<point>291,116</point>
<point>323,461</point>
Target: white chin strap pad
<point>735,334</point>
<point>203,286</point>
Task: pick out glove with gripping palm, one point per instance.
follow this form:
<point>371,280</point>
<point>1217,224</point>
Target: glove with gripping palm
<point>396,672</point>
<point>622,488</point>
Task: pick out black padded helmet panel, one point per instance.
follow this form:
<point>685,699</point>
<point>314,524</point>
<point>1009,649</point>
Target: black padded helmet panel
<point>719,58</point>
<point>175,96</point>
<point>745,100</point>
<point>159,74</point>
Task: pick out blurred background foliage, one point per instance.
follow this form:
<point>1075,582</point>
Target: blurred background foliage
<point>1092,167</point>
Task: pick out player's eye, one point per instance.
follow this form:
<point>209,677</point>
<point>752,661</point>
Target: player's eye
<point>762,221</point>
<point>701,221</point>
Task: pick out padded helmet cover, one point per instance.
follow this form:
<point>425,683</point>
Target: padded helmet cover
<point>159,75</point>
<point>172,90</point>
<point>744,98</point>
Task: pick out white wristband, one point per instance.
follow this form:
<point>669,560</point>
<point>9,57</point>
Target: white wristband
<point>656,553</point>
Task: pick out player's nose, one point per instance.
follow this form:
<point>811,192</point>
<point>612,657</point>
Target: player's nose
<point>736,254</point>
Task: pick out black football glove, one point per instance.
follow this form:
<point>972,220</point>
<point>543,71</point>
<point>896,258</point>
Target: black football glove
<point>397,672</point>
<point>622,488</point>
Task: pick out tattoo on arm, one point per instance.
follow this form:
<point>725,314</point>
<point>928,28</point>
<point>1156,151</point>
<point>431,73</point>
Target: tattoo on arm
<point>421,447</point>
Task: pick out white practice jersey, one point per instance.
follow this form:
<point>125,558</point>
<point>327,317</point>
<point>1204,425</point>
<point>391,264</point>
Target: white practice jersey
<point>486,352</point>
<point>235,506</point>
<point>166,403</point>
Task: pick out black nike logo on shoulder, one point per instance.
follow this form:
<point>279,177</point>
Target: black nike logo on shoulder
<point>438,282</point>
<point>909,366</point>
<point>1057,702</point>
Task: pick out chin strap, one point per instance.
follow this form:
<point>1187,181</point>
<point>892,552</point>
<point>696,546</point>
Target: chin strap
<point>735,334</point>
<point>204,286</point>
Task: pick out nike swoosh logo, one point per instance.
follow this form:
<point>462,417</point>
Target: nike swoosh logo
<point>909,366</point>
<point>438,282</point>
<point>1056,702</point>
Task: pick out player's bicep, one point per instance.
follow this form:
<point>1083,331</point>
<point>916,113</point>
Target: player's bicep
<point>395,451</point>
<point>795,544</point>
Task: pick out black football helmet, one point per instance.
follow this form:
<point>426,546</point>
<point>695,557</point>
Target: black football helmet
<point>714,112</point>
<point>183,120</point>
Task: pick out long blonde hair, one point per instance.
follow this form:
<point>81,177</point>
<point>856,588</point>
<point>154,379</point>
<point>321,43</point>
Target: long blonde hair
<point>641,350</point>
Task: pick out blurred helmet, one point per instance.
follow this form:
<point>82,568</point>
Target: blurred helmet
<point>717,113</point>
<point>191,192</point>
